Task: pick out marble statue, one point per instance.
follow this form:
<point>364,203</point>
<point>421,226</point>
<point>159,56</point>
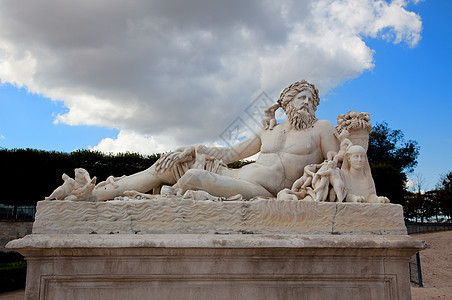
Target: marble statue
<point>358,125</point>
<point>285,150</point>
<point>80,188</point>
<point>357,178</point>
<point>61,192</point>
<point>344,176</point>
<point>302,158</point>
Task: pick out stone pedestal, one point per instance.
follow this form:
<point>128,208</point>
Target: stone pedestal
<point>251,264</point>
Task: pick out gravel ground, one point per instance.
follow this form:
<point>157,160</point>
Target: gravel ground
<point>436,264</point>
<point>14,295</point>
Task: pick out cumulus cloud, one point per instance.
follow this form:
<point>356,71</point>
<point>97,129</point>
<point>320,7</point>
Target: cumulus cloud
<point>132,142</point>
<point>186,69</point>
<point>2,137</point>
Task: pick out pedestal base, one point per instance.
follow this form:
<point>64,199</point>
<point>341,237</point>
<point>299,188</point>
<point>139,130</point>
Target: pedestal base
<point>209,266</point>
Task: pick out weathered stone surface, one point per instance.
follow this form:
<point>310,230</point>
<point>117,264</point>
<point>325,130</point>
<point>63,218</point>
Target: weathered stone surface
<point>207,266</point>
<point>370,218</point>
<point>10,230</point>
<point>301,250</point>
<point>177,215</point>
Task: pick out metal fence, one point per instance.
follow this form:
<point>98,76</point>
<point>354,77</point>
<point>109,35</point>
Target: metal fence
<point>415,270</point>
<point>17,213</point>
<point>413,227</point>
<point>415,261</point>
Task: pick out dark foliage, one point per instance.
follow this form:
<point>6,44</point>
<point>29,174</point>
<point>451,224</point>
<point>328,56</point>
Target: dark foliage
<point>422,206</point>
<point>391,158</point>
<point>444,195</point>
<point>10,257</point>
<point>389,182</point>
<point>239,164</point>
<point>13,271</point>
<point>12,277</point>
<point>387,146</point>
<point>40,171</point>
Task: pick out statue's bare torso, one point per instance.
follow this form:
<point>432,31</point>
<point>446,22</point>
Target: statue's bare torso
<point>284,152</point>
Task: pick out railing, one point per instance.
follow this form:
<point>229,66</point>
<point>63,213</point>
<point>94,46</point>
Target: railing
<point>415,270</point>
<point>415,261</point>
<point>413,227</point>
<point>17,213</point>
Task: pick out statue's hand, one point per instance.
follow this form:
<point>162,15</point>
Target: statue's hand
<point>168,160</point>
<point>270,120</point>
<point>265,123</point>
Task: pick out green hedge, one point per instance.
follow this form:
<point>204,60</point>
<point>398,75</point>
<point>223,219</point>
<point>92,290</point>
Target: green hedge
<point>49,166</point>
<point>10,257</point>
<point>13,271</point>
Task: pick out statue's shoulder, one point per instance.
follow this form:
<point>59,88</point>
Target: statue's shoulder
<point>276,128</point>
<point>324,124</point>
<point>327,131</point>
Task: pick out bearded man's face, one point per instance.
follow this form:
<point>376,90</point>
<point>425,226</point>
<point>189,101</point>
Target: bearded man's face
<point>300,110</point>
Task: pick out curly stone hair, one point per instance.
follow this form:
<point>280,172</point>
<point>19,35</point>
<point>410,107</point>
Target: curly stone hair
<point>292,90</point>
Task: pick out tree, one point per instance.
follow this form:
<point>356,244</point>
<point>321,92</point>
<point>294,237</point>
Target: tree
<point>420,203</point>
<point>28,175</point>
<point>444,194</point>
<point>434,206</point>
<point>391,158</point>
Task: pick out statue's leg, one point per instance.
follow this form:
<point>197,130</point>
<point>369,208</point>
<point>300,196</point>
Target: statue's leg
<point>57,194</point>
<point>219,185</point>
<point>340,190</point>
<point>321,189</point>
<point>141,182</point>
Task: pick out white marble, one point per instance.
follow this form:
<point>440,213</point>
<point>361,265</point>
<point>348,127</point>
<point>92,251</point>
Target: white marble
<point>357,177</point>
<point>191,266</point>
<point>345,175</point>
<point>299,159</point>
<point>285,149</point>
<point>357,124</point>
<point>174,214</point>
<point>78,189</point>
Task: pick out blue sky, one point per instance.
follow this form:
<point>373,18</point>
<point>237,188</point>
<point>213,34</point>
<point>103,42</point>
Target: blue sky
<point>410,89</point>
<point>179,94</point>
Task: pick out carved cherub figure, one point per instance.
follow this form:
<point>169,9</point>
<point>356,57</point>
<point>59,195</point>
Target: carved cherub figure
<point>320,182</point>
<point>64,190</point>
<point>328,174</point>
<point>79,188</point>
<point>345,143</point>
<point>305,180</point>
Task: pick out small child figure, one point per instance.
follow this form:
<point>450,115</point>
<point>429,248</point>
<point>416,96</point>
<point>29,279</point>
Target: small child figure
<point>63,190</point>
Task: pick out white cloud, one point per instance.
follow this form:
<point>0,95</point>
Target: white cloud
<point>417,1</point>
<point>410,184</point>
<point>2,137</point>
<point>186,69</point>
<point>133,142</point>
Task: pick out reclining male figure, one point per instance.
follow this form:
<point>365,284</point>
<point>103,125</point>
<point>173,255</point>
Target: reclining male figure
<point>285,150</point>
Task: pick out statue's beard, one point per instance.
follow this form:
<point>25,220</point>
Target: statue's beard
<point>300,118</point>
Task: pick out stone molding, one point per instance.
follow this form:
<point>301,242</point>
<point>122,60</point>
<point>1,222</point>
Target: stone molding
<point>176,215</point>
<point>209,266</point>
